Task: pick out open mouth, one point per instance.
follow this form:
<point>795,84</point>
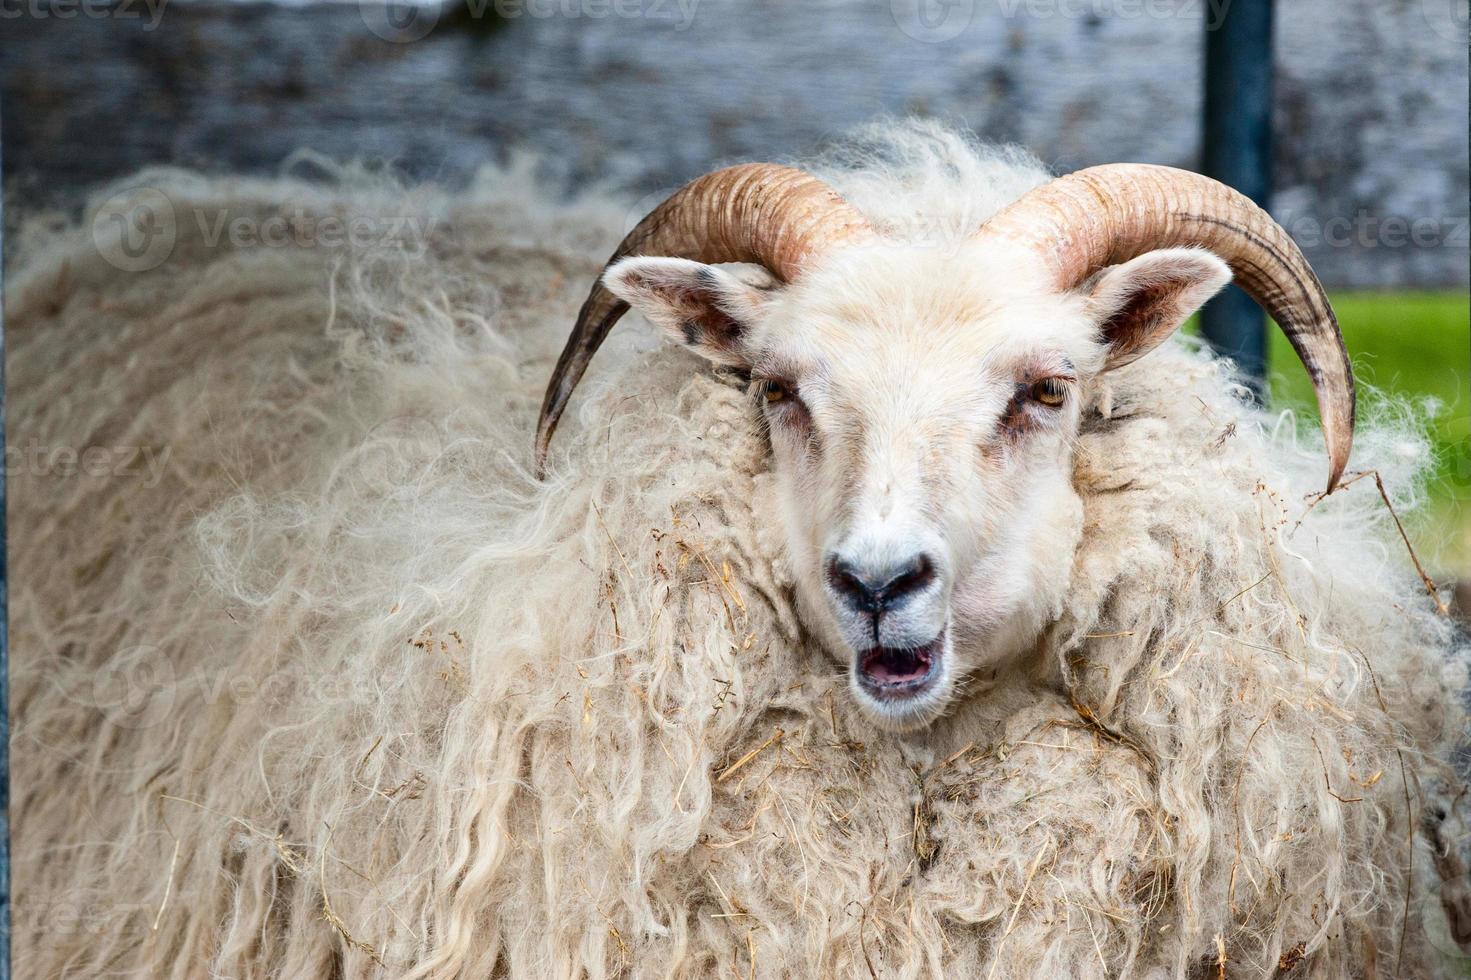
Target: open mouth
<point>899,671</point>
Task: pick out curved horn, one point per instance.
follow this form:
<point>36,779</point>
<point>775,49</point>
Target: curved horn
<point>1106,215</point>
<point>779,217</point>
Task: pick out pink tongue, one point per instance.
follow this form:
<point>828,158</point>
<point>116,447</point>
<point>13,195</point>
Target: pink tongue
<point>895,666</point>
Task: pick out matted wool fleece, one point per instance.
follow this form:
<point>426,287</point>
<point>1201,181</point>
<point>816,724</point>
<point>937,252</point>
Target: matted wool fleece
<point>337,689</point>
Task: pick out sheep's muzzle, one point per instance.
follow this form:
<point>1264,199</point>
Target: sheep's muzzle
<point>897,672</point>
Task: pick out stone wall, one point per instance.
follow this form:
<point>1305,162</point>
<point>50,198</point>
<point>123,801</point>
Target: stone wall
<point>1371,121</point>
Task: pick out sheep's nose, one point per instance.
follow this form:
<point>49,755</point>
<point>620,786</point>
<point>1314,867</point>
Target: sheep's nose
<point>875,591</point>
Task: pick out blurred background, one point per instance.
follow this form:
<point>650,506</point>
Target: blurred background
<point>1368,164</point>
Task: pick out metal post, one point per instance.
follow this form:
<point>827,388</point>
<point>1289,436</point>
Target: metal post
<point>1237,150</point>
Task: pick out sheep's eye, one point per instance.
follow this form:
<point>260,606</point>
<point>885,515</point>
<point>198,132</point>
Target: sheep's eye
<point>1050,392</point>
<point>774,391</point>
<point>782,403</point>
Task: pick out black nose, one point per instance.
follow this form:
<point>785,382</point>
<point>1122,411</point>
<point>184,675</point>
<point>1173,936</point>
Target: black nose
<point>870,591</point>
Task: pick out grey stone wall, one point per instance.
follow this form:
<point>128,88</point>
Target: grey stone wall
<point>1372,170</point>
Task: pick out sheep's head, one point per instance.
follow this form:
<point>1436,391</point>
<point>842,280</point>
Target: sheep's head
<point>923,403</point>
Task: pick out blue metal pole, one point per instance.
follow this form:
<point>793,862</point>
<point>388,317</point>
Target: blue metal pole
<point>1237,150</point>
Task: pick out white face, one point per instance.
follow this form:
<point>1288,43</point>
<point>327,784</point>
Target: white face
<point>922,408</point>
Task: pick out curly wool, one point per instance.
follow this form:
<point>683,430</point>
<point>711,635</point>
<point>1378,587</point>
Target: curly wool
<point>340,690</point>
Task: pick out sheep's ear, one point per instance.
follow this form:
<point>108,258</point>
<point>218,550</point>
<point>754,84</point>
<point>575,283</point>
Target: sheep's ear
<point>1141,302</point>
<point>708,308</point>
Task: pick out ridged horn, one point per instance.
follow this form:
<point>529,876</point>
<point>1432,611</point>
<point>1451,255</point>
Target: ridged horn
<point>779,217</point>
<point>1106,215</point>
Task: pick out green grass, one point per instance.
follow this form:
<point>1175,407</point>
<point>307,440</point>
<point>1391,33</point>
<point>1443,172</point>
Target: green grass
<point>1416,345</point>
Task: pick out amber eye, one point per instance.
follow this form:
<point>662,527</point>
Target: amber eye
<point>1050,392</point>
<point>774,391</point>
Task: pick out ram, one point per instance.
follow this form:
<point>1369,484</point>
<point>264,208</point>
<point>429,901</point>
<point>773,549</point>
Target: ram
<point>961,621</point>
